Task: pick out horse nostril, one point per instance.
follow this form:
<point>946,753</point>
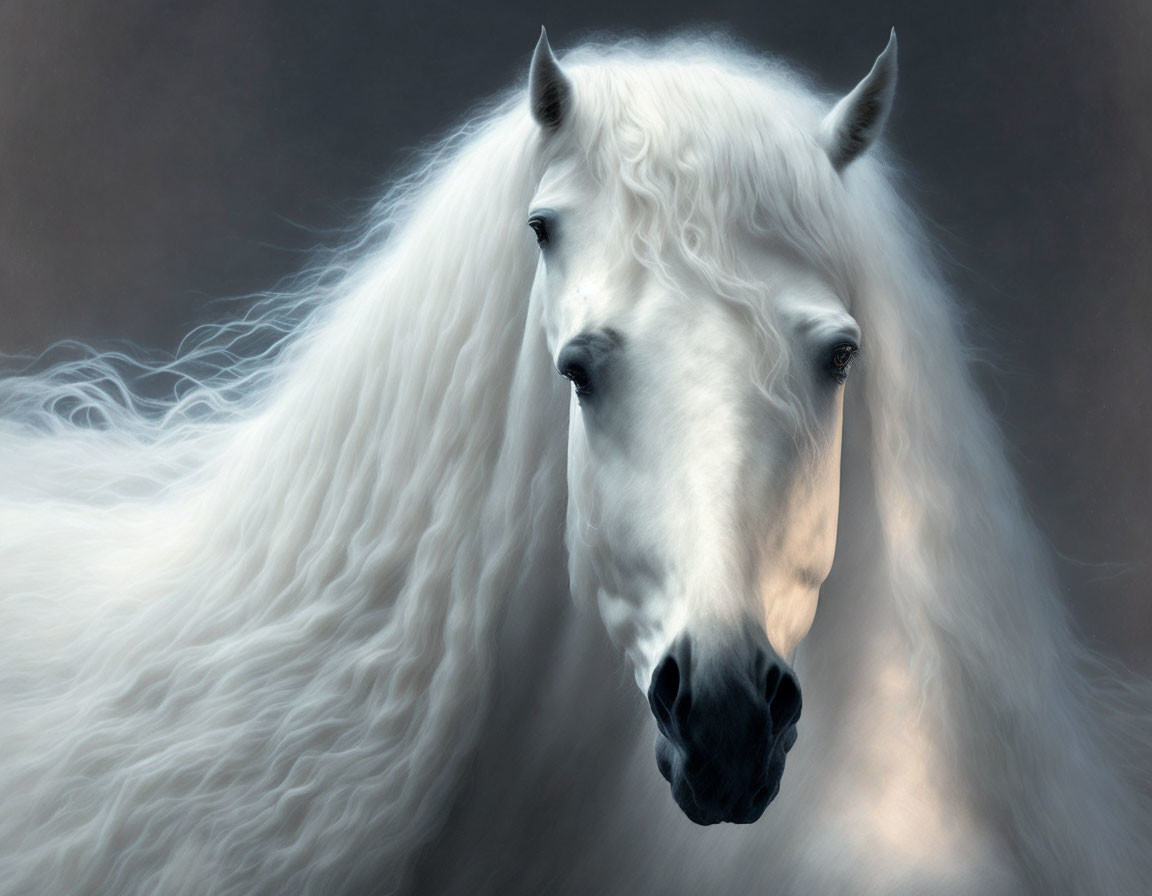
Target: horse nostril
<point>665,689</point>
<point>771,682</point>
<point>783,695</point>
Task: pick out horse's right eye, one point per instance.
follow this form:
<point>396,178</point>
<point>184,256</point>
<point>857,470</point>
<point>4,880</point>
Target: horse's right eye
<point>587,361</point>
<point>539,227</point>
<point>575,371</point>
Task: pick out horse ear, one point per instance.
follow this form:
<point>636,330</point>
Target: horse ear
<point>856,121</point>
<point>549,89</point>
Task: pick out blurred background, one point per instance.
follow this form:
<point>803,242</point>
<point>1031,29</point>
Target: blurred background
<point>155,156</point>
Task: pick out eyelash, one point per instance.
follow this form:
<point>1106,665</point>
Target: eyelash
<point>840,360</point>
<point>540,228</point>
<point>578,375</point>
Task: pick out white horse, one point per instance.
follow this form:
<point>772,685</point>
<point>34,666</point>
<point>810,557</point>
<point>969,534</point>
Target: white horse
<point>332,619</point>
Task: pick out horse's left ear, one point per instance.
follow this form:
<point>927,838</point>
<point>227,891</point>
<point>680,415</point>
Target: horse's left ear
<point>549,89</point>
<point>857,120</point>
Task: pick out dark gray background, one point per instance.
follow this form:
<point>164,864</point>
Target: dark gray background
<point>156,155</point>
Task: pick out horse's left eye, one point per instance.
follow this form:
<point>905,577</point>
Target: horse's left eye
<point>840,360</point>
<point>540,228</point>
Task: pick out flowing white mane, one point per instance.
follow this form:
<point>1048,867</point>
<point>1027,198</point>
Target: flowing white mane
<point>249,634</point>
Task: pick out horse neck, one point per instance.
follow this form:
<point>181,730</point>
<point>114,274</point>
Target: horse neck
<point>394,414</point>
<point>403,486</point>
<point>965,595</point>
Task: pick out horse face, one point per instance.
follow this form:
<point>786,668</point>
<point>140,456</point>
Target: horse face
<point>702,505</point>
<point>702,514</point>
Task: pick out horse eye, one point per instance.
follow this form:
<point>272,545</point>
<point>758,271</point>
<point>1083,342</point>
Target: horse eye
<point>540,228</point>
<point>588,361</point>
<point>574,370</point>
<point>841,360</point>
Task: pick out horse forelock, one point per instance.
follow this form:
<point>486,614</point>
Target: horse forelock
<point>692,141</point>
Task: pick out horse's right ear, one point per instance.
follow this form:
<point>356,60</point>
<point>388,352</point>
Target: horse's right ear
<point>549,89</point>
<point>857,120</point>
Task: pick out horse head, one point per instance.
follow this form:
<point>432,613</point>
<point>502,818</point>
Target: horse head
<point>704,322</point>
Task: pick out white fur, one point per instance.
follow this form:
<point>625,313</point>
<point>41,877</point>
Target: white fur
<point>251,636</point>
